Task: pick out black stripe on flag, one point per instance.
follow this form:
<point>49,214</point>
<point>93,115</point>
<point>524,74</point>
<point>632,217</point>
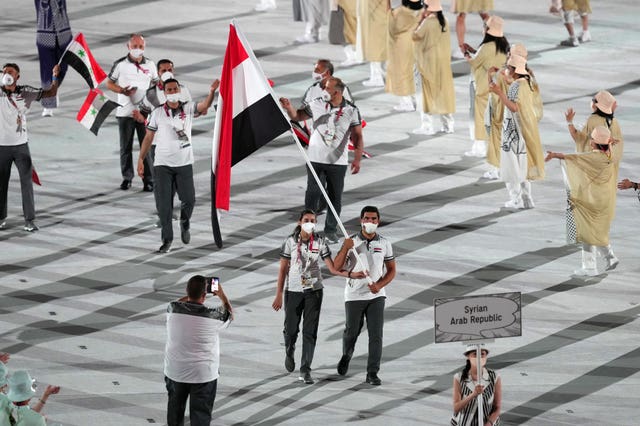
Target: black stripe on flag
<point>80,66</point>
<point>102,114</point>
<point>256,126</point>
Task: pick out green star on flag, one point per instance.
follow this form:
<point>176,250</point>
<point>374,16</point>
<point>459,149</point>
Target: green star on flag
<point>81,53</point>
<point>93,111</point>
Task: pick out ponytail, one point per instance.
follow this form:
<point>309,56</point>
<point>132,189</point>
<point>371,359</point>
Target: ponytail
<point>465,371</point>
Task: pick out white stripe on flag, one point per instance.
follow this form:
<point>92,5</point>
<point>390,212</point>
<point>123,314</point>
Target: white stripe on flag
<point>253,89</point>
<point>89,117</point>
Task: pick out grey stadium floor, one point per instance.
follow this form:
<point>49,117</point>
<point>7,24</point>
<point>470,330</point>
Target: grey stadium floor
<point>83,299</point>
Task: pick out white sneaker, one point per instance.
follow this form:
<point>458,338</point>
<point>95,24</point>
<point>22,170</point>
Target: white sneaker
<point>47,112</point>
<point>446,129</point>
<point>570,42</point>
<point>528,202</point>
<point>492,174</point>
<point>612,262</point>
<point>424,130</point>
<point>514,204</point>
<point>584,37</point>
<point>3,224</point>
<point>306,39</point>
<point>582,272</point>
<point>374,82</point>
<point>404,107</point>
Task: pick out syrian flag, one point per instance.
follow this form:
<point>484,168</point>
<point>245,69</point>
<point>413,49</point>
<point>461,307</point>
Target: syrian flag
<point>95,110</point>
<point>248,117</point>
<point>79,57</point>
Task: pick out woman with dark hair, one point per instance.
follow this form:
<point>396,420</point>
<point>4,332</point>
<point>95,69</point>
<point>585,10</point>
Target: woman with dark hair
<point>603,105</point>
<point>432,50</point>
<point>491,53</point>
<point>467,386</point>
<point>300,285</point>
<point>522,157</point>
<point>591,178</point>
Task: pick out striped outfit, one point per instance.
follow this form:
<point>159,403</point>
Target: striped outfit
<point>468,416</point>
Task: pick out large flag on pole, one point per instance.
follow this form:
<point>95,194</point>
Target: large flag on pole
<point>248,117</point>
<point>79,57</point>
<point>95,110</point>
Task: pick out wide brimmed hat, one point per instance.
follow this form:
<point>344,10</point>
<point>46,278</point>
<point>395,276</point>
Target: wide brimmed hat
<point>519,63</point>
<point>472,348</point>
<point>601,135</point>
<point>519,49</point>
<point>604,101</point>
<point>21,386</point>
<point>495,25</point>
<point>434,6</point>
<point>3,374</point>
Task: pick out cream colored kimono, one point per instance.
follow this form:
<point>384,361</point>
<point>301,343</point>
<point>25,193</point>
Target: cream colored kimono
<point>496,117</point>
<point>592,182</point>
<point>433,57</point>
<point>583,143</point>
<point>373,14</point>
<point>400,57</point>
<point>350,20</point>
<point>460,6</point>
<point>486,57</point>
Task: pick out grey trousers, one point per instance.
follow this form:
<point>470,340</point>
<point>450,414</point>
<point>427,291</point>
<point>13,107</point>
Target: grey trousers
<point>332,176</point>
<point>298,304</point>
<point>165,179</point>
<point>127,127</point>
<point>356,311</point>
<point>20,155</point>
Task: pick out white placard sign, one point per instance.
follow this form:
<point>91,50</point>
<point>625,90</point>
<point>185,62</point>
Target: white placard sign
<point>489,316</point>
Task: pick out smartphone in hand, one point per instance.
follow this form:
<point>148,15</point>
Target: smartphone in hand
<point>212,284</point>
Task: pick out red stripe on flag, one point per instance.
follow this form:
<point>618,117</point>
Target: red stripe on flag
<point>98,74</point>
<point>87,104</point>
<point>234,56</point>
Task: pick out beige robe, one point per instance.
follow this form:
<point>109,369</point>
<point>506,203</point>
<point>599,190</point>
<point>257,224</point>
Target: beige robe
<point>592,182</point>
<point>581,6</point>
<point>530,132</point>
<point>465,6</point>
<point>350,20</point>
<point>496,118</point>
<point>487,57</point>
<point>583,142</point>
<point>400,57</point>
<point>433,57</point>
<point>373,14</point>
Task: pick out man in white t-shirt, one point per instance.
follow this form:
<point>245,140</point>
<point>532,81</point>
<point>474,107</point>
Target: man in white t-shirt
<point>130,77</point>
<point>335,122</point>
<point>15,101</point>
<point>364,300</point>
<point>170,127</point>
<point>192,352</point>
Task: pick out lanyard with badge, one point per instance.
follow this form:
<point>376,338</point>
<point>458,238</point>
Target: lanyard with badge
<point>178,124</point>
<point>303,267</point>
<point>329,134</point>
<point>19,126</point>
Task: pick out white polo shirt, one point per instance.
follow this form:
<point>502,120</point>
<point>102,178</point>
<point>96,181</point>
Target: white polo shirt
<point>170,150</point>
<point>13,114</point>
<point>374,253</point>
<point>331,131</point>
<point>304,259</point>
<point>192,352</point>
<point>126,72</point>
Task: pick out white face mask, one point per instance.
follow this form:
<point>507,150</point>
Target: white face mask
<point>173,97</point>
<point>370,228</point>
<point>308,227</point>
<point>166,76</point>
<point>316,76</point>
<point>136,53</point>
<point>326,96</point>
<point>7,80</point>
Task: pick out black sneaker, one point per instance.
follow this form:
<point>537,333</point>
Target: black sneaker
<point>289,363</point>
<point>185,235</point>
<point>343,365</point>
<point>29,226</point>
<point>147,187</point>
<point>373,379</point>
<point>126,184</point>
<point>3,224</point>
<point>165,247</point>
<point>306,378</point>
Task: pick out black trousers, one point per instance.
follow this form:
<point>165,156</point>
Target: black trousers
<point>356,311</point>
<point>168,178</point>
<point>332,176</point>
<point>127,127</point>
<point>20,155</point>
<point>201,397</point>
<point>299,304</point>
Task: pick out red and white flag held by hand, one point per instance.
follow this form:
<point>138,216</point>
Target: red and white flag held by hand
<point>79,57</point>
<point>95,110</point>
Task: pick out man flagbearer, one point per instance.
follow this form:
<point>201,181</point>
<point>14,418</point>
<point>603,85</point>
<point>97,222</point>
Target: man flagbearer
<point>170,127</point>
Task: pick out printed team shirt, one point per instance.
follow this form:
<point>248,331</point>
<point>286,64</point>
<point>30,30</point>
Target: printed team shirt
<point>126,72</point>
<point>331,130</point>
<point>155,97</point>
<point>13,114</point>
<point>315,91</point>
<point>166,122</point>
<point>374,253</point>
<point>304,257</point>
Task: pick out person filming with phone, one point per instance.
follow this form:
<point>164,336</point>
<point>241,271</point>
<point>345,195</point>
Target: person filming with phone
<point>192,352</point>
